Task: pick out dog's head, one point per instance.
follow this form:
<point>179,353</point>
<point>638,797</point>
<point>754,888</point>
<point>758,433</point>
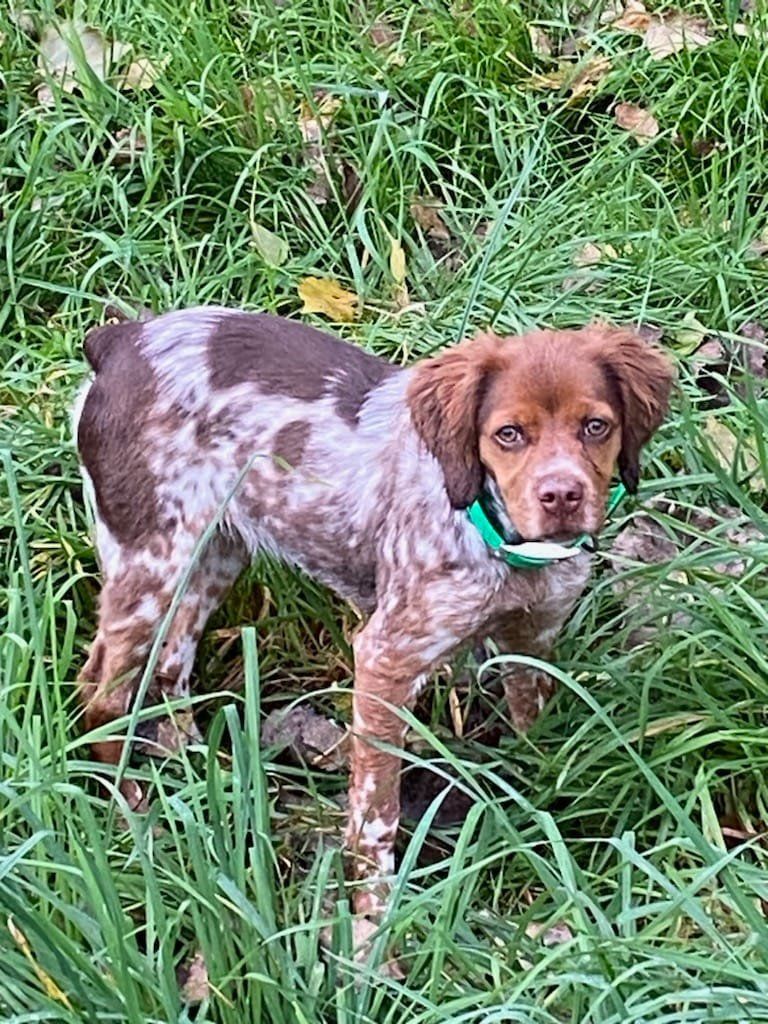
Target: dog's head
<point>547,417</point>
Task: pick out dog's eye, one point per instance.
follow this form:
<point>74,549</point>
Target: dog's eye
<point>510,435</point>
<point>595,427</point>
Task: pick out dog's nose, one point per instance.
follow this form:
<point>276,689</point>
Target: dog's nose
<point>560,495</point>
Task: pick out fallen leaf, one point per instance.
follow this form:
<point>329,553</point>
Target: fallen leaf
<point>759,246</point>
<point>541,44</point>
<point>675,32</point>
<point>326,296</point>
<point>383,35</point>
<point>579,82</point>
<point>754,357</point>
<point>633,18</point>
<point>398,270</point>
<point>640,123</point>
<point>310,737</point>
<point>590,254</point>
<point>314,120</point>
<point>555,935</point>
<point>689,335</point>
<point>351,186</point>
<point>65,46</point>
<point>426,214</point>
<point>730,450</point>
<point>128,145</point>
<point>141,74</point>
<point>273,249</point>
<point>52,990</point>
<point>193,979</point>
<point>588,77</point>
<point>396,260</point>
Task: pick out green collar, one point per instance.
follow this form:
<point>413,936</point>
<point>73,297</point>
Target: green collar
<point>532,554</point>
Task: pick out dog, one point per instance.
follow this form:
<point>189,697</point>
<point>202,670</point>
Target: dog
<point>361,474</point>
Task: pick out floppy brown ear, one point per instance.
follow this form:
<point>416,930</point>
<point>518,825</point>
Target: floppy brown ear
<point>444,398</point>
<point>642,376</point>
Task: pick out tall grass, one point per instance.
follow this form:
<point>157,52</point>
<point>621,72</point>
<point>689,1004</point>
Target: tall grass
<point>632,816</point>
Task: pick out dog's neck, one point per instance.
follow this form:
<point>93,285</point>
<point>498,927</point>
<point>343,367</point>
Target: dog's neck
<point>491,499</point>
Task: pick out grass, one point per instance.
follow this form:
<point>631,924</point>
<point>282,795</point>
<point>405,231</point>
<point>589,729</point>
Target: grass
<point>633,813</point>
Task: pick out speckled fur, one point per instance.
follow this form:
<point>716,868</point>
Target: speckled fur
<point>339,484</point>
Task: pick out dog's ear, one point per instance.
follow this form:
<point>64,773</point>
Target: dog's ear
<point>642,377</point>
<point>444,397</point>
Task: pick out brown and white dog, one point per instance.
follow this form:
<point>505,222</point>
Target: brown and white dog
<point>363,475</point>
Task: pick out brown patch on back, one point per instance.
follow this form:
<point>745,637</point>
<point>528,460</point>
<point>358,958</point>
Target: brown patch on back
<point>289,358</point>
<point>110,438</point>
<point>290,443</point>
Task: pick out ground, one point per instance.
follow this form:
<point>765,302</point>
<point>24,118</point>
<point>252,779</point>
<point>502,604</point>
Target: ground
<point>452,166</point>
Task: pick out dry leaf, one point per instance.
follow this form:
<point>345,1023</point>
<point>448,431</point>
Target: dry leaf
<point>141,74</point>
<point>326,296</point>
<point>729,449</point>
<point>591,254</point>
<point>396,261</point>
<point>310,737</point>
<point>193,978</point>
<point>52,990</point>
<point>60,54</point>
<point>129,144</point>
<point>759,246</point>
<point>634,18</point>
<point>640,124</point>
<point>397,270</point>
<point>314,121</point>
<point>674,33</point>
<point>383,35</point>
<point>555,935</point>
<point>690,334</point>
<point>425,213</point>
<point>584,81</point>
<point>273,249</point>
<point>541,44</point>
<point>588,77</point>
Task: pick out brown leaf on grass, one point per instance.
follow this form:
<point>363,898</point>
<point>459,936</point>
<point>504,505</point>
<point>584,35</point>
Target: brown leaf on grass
<point>554,935</point>
<point>754,357</point>
<point>192,977</point>
<point>759,246</point>
<point>640,123</point>
<point>64,47</point>
<point>588,77</point>
<point>326,296</point>
<point>382,35</point>
<point>425,211</point>
<point>129,144</point>
<point>590,254</point>
<point>632,18</point>
<point>310,737</point>
<point>141,74</point>
<point>50,987</point>
<point>315,119</point>
<point>541,44</point>
<point>351,186</point>
<point>663,34</point>
<point>675,32</point>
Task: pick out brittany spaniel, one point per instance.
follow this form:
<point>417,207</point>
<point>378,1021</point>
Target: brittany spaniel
<point>362,474</point>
